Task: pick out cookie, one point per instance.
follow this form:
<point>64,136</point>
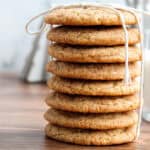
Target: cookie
<point>92,71</point>
<point>103,36</point>
<point>91,121</point>
<point>85,15</point>
<point>91,137</point>
<point>90,104</point>
<point>95,54</point>
<point>94,88</point>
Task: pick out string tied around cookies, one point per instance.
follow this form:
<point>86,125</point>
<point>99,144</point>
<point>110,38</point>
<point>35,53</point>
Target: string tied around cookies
<point>116,9</point>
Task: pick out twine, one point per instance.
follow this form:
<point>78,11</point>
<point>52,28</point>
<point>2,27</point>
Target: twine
<point>116,9</point>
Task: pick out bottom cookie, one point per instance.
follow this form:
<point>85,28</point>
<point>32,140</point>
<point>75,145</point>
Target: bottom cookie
<point>90,137</point>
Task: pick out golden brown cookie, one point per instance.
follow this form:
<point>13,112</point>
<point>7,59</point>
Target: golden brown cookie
<point>94,88</point>
<point>91,121</point>
<point>103,36</point>
<point>91,137</point>
<point>84,54</point>
<point>85,15</point>
<point>90,104</point>
<point>92,71</point>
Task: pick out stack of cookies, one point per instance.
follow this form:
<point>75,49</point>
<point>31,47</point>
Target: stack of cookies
<point>90,104</point>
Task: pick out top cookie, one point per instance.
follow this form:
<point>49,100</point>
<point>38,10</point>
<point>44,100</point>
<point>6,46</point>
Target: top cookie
<point>85,15</point>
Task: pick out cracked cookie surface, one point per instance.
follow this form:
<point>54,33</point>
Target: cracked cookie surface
<point>91,121</point>
<point>90,137</point>
<point>92,71</point>
<point>93,88</point>
<point>102,36</point>
<point>90,104</point>
<point>94,54</point>
<point>85,15</point>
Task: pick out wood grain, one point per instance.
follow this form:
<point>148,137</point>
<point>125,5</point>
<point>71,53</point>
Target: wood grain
<point>21,120</point>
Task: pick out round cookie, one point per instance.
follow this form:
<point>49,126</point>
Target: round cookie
<point>92,71</point>
<point>90,104</point>
<point>84,54</point>
<point>84,15</point>
<point>91,137</point>
<point>93,88</point>
<point>91,121</point>
<point>102,36</point>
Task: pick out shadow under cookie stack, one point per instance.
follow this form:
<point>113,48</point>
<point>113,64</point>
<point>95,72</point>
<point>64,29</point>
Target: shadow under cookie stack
<point>90,104</point>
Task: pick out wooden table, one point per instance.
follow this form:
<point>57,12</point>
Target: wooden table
<point>21,120</point>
